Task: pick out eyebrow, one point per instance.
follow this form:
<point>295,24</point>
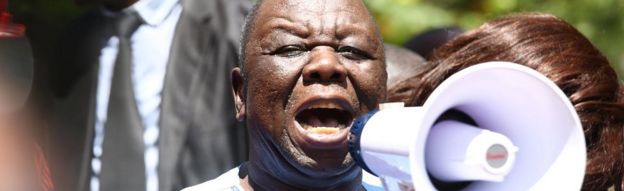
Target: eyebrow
<point>350,29</point>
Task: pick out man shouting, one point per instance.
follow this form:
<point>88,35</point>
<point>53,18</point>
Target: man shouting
<point>308,68</point>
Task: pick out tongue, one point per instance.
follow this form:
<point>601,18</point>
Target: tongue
<point>321,125</point>
<point>323,121</point>
<point>330,122</point>
<point>313,121</point>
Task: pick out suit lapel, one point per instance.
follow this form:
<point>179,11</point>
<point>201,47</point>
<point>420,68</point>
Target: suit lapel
<point>76,110</point>
<point>182,72</point>
<point>101,34</point>
<point>90,91</point>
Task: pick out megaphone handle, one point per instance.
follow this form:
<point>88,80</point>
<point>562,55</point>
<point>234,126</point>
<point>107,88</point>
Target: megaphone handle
<point>393,184</point>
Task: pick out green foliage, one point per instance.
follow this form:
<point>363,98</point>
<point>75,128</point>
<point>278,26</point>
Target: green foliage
<point>602,21</point>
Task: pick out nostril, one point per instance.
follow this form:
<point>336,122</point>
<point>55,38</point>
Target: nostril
<point>336,76</point>
<point>324,71</point>
<point>315,76</point>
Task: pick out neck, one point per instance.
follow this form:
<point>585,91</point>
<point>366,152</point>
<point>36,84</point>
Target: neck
<point>261,179</point>
<point>271,167</point>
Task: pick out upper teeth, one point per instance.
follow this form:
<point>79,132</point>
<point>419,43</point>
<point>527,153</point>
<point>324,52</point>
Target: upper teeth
<point>325,105</point>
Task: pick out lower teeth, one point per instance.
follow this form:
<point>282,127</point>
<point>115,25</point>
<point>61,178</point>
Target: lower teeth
<point>324,130</point>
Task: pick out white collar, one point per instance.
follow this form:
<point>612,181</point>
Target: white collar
<point>154,12</point>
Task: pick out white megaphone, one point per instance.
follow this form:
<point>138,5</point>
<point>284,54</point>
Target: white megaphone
<point>492,126</point>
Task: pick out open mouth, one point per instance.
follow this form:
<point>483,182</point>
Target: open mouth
<point>324,118</point>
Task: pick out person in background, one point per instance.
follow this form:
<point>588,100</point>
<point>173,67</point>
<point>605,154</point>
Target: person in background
<point>142,96</point>
<point>308,68</point>
<point>23,166</point>
<point>556,49</point>
<point>401,64</point>
<point>426,42</point>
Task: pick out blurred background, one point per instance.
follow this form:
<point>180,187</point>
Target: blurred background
<point>600,20</point>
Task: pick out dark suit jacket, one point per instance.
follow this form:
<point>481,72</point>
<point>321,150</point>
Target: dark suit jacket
<point>199,137</point>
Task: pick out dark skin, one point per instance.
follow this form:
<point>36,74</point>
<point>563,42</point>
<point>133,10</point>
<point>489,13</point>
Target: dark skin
<point>301,53</point>
<point>304,54</point>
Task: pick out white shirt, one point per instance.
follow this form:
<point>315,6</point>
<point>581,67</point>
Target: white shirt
<point>150,43</point>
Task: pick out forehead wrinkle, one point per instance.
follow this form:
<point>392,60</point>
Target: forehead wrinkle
<point>321,16</point>
<point>329,25</point>
<point>344,21</point>
<point>322,7</point>
<point>321,19</point>
<point>283,24</point>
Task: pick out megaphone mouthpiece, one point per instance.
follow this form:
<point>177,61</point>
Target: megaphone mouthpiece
<point>458,152</point>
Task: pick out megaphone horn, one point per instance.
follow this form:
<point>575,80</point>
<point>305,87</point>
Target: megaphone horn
<point>492,126</point>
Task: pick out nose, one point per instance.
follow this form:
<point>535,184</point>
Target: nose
<point>324,67</point>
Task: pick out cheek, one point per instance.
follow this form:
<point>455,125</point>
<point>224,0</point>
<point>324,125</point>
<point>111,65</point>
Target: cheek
<point>269,87</point>
<point>371,81</point>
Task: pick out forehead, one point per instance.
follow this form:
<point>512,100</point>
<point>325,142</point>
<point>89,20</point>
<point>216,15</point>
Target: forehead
<point>304,7</point>
<point>315,13</point>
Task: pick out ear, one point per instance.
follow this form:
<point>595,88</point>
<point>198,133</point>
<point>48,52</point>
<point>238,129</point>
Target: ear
<point>238,85</point>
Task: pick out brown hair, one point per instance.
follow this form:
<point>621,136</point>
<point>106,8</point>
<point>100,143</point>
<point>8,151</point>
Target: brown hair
<point>556,49</point>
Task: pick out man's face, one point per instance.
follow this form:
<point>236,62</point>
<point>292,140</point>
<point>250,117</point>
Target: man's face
<point>311,67</point>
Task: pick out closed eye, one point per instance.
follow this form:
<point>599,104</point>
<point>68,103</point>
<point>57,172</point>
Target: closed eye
<point>353,53</point>
<point>289,51</point>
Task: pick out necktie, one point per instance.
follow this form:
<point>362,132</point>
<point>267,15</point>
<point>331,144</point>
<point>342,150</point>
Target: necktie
<point>123,167</point>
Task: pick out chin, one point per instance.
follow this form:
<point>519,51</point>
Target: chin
<point>335,162</point>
